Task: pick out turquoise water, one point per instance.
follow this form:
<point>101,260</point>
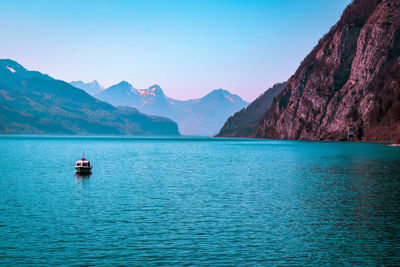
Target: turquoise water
<point>194,201</point>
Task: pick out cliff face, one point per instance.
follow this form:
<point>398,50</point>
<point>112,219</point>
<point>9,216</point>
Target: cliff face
<point>352,77</point>
<point>244,123</point>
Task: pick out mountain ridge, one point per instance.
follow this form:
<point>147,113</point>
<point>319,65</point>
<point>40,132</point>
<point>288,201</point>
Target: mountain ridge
<point>244,123</point>
<point>201,116</point>
<point>35,103</point>
<point>91,88</point>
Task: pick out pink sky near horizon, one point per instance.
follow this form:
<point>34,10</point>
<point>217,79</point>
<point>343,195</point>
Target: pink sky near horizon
<point>187,47</point>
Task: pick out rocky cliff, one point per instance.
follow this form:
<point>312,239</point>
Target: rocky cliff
<point>351,78</point>
<point>244,123</point>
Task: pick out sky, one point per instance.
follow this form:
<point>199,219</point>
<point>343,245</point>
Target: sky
<point>188,47</point>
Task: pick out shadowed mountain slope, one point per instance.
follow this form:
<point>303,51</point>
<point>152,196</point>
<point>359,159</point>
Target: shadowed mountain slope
<point>34,103</point>
<point>245,122</point>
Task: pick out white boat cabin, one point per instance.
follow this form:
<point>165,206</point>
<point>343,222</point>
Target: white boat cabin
<point>82,163</point>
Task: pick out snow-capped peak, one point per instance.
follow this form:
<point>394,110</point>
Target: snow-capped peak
<point>151,91</point>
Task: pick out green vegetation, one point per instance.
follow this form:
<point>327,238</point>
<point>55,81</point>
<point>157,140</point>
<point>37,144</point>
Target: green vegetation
<point>33,103</point>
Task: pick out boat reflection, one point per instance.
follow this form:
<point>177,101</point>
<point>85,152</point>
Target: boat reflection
<point>82,175</point>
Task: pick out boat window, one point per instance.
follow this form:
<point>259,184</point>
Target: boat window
<point>89,164</point>
<point>84,164</point>
<point>78,164</point>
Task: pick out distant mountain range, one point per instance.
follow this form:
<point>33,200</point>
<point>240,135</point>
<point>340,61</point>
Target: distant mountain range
<point>245,122</point>
<point>91,88</point>
<point>35,103</point>
<point>204,116</point>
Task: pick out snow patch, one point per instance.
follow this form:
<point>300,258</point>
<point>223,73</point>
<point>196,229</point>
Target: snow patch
<point>11,69</point>
<point>147,92</point>
<point>229,98</point>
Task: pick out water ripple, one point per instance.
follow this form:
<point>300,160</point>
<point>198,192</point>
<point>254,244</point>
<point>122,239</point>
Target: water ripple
<point>198,201</point>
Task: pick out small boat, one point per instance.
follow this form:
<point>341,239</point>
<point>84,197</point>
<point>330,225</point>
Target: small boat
<point>83,166</point>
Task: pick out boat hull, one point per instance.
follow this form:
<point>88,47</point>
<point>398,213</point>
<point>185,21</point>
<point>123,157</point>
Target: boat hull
<point>83,170</point>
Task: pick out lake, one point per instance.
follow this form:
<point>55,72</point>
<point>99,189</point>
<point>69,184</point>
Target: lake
<point>198,201</point>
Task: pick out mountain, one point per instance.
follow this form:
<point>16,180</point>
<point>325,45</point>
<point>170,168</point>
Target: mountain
<point>153,101</point>
<point>91,88</point>
<point>121,94</point>
<point>150,101</point>
<point>206,115</point>
<point>245,122</point>
<point>203,116</point>
<point>350,79</point>
<point>34,103</point>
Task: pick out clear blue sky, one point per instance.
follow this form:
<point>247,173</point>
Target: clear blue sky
<point>188,47</point>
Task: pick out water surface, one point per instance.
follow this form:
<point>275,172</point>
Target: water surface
<point>198,201</point>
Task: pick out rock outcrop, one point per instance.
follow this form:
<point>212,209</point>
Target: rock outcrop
<point>351,78</point>
<point>244,123</point>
